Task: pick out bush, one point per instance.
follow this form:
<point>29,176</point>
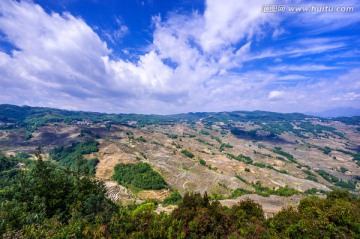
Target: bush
<point>173,199</point>
<point>260,165</point>
<point>240,178</point>
<point>247,209</point>
<point>239,192</point>
<point>141,139</point>
<point>204,132</point>
<point>280,158</point>
<point>312,178</point>
<point>28,135</point>
<point>271,167</point>
<point>326,150</point>
<point>45,192</point>
<point>311,191</point>
<point>171,136</point>
<point>343,169</point>
<point>348,185</point>
<point>356,157</point>
<point>283,171</point>
<point>328,177</point>
<point>265,191</point>
<point>240,157</point>
<point>138,176</point>
<point>336,216</point>
<point>72,157</point>
<point>289,156</point>
<point>286,191</point>
<point>187,153</point>
<point>222,146</point>
<point>202,162</point>
<point>308,172</point>
<point>7,163</point>
<point>22,156</point>
<point>201,218</point>
<point>86,132</point>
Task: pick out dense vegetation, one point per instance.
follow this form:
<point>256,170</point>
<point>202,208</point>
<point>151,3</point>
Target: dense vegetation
<point>46,201</point>
<point>328,177</point>
<point>138,176</point>
<point>276,123</point>
<point>273,128</point>
<point>187,153</point>
<point>356,158</point>
<point>7,163</point>
<point>202,162</point>
<point>240,157</point>
<point>222,146</point>
<point>355,120</point>
<point>282,191</point>
<point>252,134</point>
<point>10,168</point>
<point>287,155</point>
<point>173,199</point>
<point>262,190</point>
<point>72,156</point>
<point>45,198</point>
<point>59,199</point>
<point>338,182</point>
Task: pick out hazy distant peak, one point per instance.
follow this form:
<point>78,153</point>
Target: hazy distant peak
<point>337,112</point>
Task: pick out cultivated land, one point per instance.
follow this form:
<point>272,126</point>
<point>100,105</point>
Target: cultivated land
<point>216,153</point>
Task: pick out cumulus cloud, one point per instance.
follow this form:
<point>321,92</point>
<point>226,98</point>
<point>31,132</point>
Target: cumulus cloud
<point>227,22</point>
<point>195,62</point>
<point>50,53</point>
<point>60,60</point>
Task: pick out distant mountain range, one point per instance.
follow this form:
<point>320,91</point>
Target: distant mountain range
<point>12,115</point>
<point>337,112</point>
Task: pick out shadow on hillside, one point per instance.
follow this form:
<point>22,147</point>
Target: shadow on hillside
<point>253,136</point>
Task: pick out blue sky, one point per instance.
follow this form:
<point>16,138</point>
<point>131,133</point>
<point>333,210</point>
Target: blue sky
<point>166,56</point>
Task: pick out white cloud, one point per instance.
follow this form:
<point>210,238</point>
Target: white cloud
<point>195,63</point>
<point>342,91</point>
<point>227,22</point>
<point>292,77</point>
<point>329,21</point>
<point>61,61</point>
<point>303,68</point>
<point>298,49</point>
<point>276,94</point>
<point>51,53</point>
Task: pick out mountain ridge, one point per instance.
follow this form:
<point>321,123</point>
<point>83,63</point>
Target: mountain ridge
<point>226,154</point>
<point>337,112</point>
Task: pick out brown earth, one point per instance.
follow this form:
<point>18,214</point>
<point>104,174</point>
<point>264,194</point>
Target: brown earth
<point>159,195</point>
<point>121,144</point>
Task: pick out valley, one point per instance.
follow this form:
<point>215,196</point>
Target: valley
<point>217,153</point>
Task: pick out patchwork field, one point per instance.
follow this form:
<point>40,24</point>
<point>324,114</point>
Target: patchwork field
<point>227,155</point>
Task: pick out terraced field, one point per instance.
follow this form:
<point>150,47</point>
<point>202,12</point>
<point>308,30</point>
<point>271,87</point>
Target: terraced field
<point>213,154</point>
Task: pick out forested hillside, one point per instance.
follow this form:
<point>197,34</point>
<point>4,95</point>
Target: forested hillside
<point>46,201</point>
<point>66,174</point>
